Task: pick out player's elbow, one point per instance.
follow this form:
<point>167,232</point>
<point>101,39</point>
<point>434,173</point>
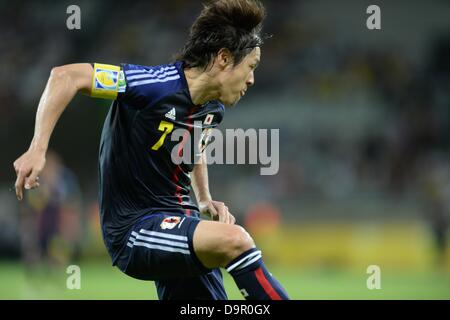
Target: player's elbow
<point>61,76</point>
<point>75,76</point>
<point>59,72</point>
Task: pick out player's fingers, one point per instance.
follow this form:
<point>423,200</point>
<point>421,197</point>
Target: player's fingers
<point>227,215</point>
<point>222,212</point>
<point>213,212</point>
<point>232,219</point>
<point>32,179</point>
<point>19,184</point>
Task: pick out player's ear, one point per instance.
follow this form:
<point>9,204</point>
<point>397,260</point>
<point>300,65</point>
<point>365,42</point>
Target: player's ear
<point>224,58</point>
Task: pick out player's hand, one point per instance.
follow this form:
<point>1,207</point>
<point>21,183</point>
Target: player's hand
<point>27,167</point>
<point>217,210</point>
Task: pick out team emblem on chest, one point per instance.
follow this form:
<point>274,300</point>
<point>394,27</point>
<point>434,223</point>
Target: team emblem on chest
<point>206,133</point>
<point>209,118</point>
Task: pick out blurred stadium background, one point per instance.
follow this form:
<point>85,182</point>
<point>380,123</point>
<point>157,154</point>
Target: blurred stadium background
<point>364,146</point>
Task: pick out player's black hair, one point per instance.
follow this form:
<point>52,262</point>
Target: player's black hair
<point>231,24</point>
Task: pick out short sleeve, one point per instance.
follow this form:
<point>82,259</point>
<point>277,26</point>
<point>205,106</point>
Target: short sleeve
<point>146,85</point>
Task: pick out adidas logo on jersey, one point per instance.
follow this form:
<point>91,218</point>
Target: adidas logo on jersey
<point>171,114</point>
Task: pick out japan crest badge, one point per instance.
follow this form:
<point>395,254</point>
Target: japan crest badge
<point>170,222</point>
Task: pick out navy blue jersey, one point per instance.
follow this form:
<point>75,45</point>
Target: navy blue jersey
<point>136,173</point>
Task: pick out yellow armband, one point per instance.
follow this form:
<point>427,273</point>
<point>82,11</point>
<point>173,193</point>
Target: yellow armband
<point>105,82</point>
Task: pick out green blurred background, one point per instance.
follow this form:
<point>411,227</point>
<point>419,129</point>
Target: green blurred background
<point>364,119</point>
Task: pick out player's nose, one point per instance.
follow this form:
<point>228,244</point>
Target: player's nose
<point>251,80</point>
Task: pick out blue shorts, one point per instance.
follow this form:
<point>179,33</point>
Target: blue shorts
<point>160,248</point>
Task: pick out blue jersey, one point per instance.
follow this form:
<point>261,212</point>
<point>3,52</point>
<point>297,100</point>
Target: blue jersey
<point>136,173</point>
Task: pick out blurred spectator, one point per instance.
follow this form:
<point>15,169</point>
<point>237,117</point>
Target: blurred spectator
<point>436,192</point>
<point>50,218</point>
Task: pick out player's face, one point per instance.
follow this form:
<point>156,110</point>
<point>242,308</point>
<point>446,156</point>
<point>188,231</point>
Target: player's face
<point>238,78</point>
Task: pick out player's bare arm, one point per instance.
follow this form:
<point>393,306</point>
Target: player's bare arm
<point>216,209</point>
<point>63,84</point>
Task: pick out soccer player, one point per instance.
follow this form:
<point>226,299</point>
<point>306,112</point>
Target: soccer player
<point>151,228</point>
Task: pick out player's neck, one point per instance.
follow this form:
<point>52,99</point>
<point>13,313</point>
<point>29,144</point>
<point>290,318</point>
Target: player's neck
<point>202,86</point>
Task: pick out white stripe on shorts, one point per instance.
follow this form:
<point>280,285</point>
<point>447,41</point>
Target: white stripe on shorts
<point>162,241</point>
<point>158,247</point>
<point>163,235</point>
